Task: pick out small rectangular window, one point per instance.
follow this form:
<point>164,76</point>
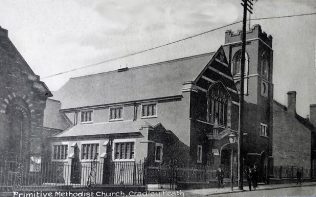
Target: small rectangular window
<point>86,116</point>
<point>116,113</point>
<point>199,154</point>
<point>60,152</point>
<point>158,152</point>
<point>263,130</point>
<point>149,110</point>
<point>89,151</point>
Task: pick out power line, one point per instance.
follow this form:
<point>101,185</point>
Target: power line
<point>173,42</point>
<point>286,16</point>
<point>142,51</point>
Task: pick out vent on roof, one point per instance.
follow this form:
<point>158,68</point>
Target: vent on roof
<point>122,69</point>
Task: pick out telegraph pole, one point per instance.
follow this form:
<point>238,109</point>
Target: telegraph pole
<point>247,5</point>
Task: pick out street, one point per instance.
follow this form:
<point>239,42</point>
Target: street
<point>294,191</point>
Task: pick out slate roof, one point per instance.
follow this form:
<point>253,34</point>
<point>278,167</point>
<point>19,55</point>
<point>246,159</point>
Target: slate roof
<point>157,80</point>
<point>104,128</point>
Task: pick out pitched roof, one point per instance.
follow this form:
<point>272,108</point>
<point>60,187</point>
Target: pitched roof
<point>104,128</point>
<point>217,70</point>
<point>304,121</point>
<point>162,79</point>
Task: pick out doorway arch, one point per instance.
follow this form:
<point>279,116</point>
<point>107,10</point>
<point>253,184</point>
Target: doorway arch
<point>228,156</point>
<point>18,131</point>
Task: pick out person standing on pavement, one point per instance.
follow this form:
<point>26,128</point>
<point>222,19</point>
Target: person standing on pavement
<point>220,177</point>
<point>298,177</point>
<point>254,177</point>
<point>248,176</point>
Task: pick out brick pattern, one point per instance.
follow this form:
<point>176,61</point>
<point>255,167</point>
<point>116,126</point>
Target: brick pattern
<point>21,89</point>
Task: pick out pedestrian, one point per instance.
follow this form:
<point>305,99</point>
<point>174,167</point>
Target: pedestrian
<point>248,176</point>
<point>220,177</point>
<point>254,177</point>
<point>298,177</point>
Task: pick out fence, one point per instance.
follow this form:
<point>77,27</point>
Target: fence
<point>14,174</point>
<point>289,172</point>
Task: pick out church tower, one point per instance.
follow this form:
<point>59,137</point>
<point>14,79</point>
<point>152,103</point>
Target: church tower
<point>258,93</point>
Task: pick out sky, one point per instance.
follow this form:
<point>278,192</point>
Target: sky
<point>56,35</point>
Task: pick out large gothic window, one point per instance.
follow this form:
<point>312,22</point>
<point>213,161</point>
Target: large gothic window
<point>217,105</point>
<point>237,64</point>
<point>236,69</point>
<point>265,65</point>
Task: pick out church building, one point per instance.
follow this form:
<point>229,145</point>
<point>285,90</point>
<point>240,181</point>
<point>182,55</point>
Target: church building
<point>181,110</point>
<point>22,102</point>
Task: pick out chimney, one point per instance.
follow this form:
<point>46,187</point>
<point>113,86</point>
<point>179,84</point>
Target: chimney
<point>312,114</point>
<point>291,102</point>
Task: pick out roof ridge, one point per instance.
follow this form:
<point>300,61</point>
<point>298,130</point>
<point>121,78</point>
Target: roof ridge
<point>280,105</point>
<point>147,65</point>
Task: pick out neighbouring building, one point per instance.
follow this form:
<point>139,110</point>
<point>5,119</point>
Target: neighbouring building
<point>22,102</point>
<point>293,139</point>
<point>179,111</point>
<point>312,118</point>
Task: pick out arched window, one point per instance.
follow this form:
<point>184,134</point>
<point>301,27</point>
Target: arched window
<point>217,104</point>
<point>237,64</point>
<point>236,69</point>
<point>265,65</point>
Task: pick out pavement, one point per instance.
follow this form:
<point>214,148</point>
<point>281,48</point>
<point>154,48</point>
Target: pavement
<point>227,190</point>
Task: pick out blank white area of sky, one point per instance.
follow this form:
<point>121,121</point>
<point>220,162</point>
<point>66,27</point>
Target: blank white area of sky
<point>57,35</point>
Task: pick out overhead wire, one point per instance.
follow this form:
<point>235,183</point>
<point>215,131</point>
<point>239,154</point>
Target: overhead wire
<point>173,42</point>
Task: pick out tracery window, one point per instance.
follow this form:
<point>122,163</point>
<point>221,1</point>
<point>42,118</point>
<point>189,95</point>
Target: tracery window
<point>217,105</point>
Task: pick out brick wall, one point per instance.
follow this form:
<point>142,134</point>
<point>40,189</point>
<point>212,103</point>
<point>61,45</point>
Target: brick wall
<point>291,139</point>
<point>21,92</point>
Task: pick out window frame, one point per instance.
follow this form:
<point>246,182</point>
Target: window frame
<point>116,107</point>
<point>85,111</point>
<point>53,151</point>
<point>116,141</point>
<point>263,130</point>
<point>199,158</point>
<point>161,152</point>
<point>82,152</point>
<point>146,104</point>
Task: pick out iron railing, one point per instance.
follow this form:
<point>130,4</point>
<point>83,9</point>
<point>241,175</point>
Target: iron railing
<point>176,174</point>
<point>15,174</point>
<point>289,172</point>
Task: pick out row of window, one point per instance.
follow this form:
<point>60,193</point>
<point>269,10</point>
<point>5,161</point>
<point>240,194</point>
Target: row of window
<point>116,113</point>
<point>122,151</point>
